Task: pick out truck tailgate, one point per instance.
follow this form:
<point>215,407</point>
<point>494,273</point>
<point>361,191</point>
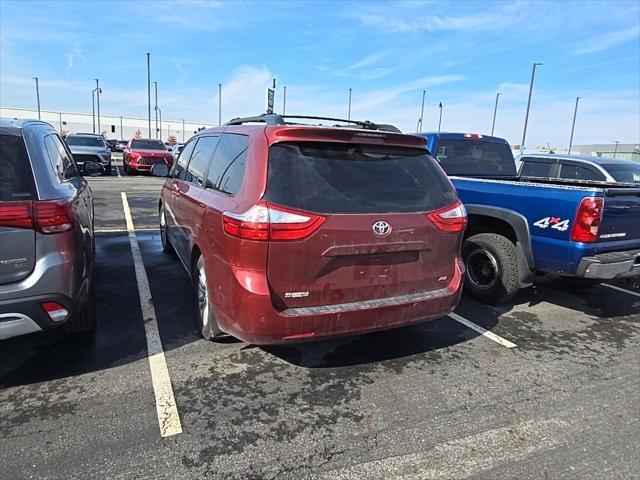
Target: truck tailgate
<point>621,219</point>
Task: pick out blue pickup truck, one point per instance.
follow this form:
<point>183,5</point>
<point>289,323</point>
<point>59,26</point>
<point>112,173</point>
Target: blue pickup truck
<point>520,227</point>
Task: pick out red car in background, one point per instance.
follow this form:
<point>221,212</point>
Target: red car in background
<point>298,232</point>
<point>143,153</point>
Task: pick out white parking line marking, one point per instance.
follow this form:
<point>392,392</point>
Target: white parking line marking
<point>118,172</point>
<point>620,289</point>
<point>168,417</point>
<point>120,230</point>
<point>490,335</point>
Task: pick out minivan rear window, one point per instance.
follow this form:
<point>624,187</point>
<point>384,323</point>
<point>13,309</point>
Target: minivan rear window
<point>328,177</point>
<point>16,179</point>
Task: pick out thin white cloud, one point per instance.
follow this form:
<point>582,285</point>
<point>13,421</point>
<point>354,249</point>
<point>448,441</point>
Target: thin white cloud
<point>598,43</point>
<point>368,60</point>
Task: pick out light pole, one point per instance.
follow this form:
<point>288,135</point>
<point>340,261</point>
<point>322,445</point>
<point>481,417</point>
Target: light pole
<point>98,92</point>
<point>183,130</point>
<point>121,137</point>
<point>526,117</point>
<point>219,104</point>
<point>495,111</point>
<point>159,112</point>
<point>38,96</point>
<point>93,109</point>
<point>349,110</point>
<point>573,125</point>
<point>158,134</point>
<point>149,90</point>
<point>284,100</point>
<point>424,93</point>
<point>440,120</point>
<point>615,151</point>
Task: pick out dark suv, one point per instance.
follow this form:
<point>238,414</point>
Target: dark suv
<point>46,232</point>
<point>297,232</point>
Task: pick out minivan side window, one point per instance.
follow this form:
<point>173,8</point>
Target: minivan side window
<point>576,172</point>
<point>533,168</point>
<point>63,165</point>
<point>180,167</point>
<point>202,154</point>
<point>227,169</point>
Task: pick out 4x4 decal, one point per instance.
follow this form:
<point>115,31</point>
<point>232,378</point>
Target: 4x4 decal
<point>554,222</point>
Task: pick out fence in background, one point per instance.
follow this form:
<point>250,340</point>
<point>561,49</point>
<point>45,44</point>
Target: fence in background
<point>121,127</point>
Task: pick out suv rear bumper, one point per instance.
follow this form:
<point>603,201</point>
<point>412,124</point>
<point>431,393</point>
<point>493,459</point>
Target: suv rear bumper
<point>610,265</point>
<point>26,315</point>
<point>255,320</point>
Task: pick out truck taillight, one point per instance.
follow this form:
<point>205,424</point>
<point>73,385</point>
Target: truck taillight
<point>53,216</point>
<point>270,222</point>
<point>452,218</point>
<point>16,214</point>
<point>588,220</point>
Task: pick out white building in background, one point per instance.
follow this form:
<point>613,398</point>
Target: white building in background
<point>122,128</point>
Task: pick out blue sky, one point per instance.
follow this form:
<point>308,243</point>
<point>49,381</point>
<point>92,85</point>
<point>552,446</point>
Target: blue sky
<point>462,53</point>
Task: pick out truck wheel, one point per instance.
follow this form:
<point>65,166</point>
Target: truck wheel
<point>85,319</point>
<point>492,268</point>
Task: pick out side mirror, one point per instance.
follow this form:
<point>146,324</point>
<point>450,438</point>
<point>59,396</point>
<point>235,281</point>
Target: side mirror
<point>160,170</point>
<point>92,169</point>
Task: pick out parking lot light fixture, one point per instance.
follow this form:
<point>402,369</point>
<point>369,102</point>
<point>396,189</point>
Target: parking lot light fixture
<point>526,117</point>
<point>615,151</point>
<point>440,119</point>
<point>98,92</point>
<point>149,91</point>
<point>93,109</point>
<point>158,133</point>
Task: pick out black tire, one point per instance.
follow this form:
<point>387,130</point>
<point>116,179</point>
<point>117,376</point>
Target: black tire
<point>492,268</point>
<point>107,171</point>
<point>124,167</point>
<point>164,237</point>
<point>207,323</point>
<point>84,321</point>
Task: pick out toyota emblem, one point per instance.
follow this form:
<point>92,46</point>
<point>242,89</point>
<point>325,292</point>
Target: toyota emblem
<point>381,228</point>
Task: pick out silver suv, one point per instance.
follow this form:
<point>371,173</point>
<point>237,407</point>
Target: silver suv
<point>90,147</point>
<point>46,232</point>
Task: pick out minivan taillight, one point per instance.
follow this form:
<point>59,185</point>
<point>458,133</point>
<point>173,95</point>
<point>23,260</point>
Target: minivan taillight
<point>53,216</point>
<point>271,222</point>
<point>16,214</point>
<point>452,218</point>
<point>588,220</point>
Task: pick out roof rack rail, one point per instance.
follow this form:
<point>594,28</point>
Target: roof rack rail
<point>275,119</point>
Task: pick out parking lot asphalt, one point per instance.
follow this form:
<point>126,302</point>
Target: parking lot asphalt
<point>436,400</point>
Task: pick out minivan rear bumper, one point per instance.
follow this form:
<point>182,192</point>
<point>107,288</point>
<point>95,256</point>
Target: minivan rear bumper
<point>256,321</point>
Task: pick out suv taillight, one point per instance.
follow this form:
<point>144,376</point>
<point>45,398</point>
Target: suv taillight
<point>588,220</point>
<point>16,214</point>
<point>452,218</point>
<point>271,222</point>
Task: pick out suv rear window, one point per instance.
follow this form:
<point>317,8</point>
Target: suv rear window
<point>355,178</point>
<point>16,179</point>
<point>473,157</point>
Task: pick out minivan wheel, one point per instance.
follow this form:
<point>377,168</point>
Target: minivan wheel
<point>206,319</point>
<point>164,237</point>
<point>492,268</point>
<point>84,321</point>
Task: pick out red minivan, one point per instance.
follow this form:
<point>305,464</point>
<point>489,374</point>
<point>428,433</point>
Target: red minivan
<point>299,232</point>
